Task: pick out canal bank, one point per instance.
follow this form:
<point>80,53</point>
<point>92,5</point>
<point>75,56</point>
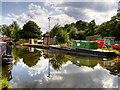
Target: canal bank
<point>37,46</point>
<point>85,52</point>
<point>77,51</point>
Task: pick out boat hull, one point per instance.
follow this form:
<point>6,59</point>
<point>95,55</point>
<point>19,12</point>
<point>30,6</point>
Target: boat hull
<point>6,60</point>
<point>85,52</point>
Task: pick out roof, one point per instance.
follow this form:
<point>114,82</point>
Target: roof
<point>110,37</point>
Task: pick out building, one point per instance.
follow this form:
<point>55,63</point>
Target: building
<point>48,40</point>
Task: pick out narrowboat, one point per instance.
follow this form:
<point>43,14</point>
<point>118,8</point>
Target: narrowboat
<point>5,53</point>
<point>85,48</point>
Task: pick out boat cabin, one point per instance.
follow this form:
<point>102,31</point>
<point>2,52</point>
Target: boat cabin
<point>5,51</point>
<point>109,41</point>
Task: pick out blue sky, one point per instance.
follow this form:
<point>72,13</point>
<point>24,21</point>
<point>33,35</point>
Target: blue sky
<point>61,12</point>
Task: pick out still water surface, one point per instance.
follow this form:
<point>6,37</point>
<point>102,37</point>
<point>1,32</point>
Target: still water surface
<point>38,68</point>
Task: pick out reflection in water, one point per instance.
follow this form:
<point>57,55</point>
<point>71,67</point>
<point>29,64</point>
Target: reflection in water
<point>30,56</point>
<point>58,59</point>
<point>49,69</point>
<point>113,66</point>
<point>6,72</point>
<point>31,49</point>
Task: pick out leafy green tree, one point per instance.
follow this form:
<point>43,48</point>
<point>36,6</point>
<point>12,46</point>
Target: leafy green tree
<point>80,35</point>
<point>118,15</point>
<point>6,30</point>
<point>103,30</point>
<point>15,29</point>
<point>31,30</point>
<point>67,27</point>
<point>73,32</point>
<point>81,25</point>
<point>109,28</point>
<point>117,31</point>
<point>91,28</point>
<point>61,35</point>
<point>55,30</point>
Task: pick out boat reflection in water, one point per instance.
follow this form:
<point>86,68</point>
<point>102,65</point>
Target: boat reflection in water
<point>49,69</point>
<point>7,72</point>
<point>56,59</point>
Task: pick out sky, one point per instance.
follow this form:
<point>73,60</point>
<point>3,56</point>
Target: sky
<point>62,12</point>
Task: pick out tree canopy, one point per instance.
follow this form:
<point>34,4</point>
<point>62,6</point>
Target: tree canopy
<point>31,30</point>
<point>77,30</point>
<point>61,35</point>
<point>15,29</point>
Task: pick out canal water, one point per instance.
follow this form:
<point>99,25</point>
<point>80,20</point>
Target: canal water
<point>40,68</point>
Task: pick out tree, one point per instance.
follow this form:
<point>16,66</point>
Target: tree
<point>55,30</point>
<point>73,32</point>
<point>31,30</point>
<point>80,35</point>
<point>15,29</point>
<point>91,28</point>
<point>61,35</point>
<point>6,30</point>
<point>117,31</point>
<point>81,25</point>
<point>103,29</point>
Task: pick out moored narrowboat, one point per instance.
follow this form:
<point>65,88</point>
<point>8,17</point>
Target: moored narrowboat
<point>85,48</point>
<point>5,53</point>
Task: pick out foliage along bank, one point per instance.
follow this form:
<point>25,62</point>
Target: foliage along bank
<point>64,34</point>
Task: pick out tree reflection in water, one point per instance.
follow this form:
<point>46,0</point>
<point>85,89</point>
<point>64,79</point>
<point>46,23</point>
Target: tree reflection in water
<point>30,57</point>
<point>7,72</point>
<point>57,59</point>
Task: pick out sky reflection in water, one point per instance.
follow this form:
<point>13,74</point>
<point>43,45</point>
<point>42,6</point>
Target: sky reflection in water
<point>57,70</point>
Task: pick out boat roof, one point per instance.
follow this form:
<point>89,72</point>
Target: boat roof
<point>110,37</point>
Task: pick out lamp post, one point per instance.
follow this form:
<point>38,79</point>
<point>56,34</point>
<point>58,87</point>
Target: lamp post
<point>49,29</point>
<point>49,44</point>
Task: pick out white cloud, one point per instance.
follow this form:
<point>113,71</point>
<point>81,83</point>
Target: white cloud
<point>21,63</point>
<point>40,16</point>
<point>101,11</point>
<point>100,17</point>
<point>68,13</point>
<point>41,66</point>
<point>108,83</point>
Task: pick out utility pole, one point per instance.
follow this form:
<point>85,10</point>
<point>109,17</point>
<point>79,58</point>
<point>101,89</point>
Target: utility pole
<point>49,29</point>
<point>49,44</point>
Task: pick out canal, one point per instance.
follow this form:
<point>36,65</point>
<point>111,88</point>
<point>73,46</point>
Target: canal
<point>40,68</point>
